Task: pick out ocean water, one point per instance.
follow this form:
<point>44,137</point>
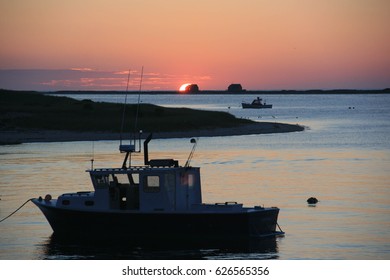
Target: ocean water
<point>342,158</point>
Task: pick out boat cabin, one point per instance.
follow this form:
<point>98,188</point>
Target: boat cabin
<point>147,188</point>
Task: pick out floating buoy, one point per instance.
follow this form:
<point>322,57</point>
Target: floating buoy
<point>312,200</point>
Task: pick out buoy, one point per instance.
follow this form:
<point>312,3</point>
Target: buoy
<point>312,200</point>
<point>47,197</point>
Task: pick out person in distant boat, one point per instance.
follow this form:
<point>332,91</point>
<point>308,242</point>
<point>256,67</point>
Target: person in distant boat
<point>256,101</point>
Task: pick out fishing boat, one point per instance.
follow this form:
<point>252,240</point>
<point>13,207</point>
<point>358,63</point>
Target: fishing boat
<point>154,202</point>
<point>159,200</point>
<point>256,104</point>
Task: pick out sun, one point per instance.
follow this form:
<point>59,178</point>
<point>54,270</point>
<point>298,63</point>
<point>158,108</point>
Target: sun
<point>183,87</point>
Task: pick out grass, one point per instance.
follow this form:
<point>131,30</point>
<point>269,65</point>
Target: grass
<point>33,110</point>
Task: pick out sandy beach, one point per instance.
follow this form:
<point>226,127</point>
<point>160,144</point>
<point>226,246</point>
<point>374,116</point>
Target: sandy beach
<point>18,136</point>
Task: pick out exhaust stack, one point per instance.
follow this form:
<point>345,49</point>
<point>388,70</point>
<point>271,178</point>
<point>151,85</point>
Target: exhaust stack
<point>146,153</point>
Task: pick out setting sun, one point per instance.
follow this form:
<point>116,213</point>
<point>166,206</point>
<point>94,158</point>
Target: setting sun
<point>183,87</point>
<point>324,44</point>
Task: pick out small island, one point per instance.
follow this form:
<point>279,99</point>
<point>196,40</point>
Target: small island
<point>36,117</point>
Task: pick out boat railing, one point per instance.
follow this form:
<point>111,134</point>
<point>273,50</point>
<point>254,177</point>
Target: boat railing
<point>224,206</point>
<point>85,193</point>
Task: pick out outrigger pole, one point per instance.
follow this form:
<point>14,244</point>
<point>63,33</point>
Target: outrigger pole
<point>131,148</point>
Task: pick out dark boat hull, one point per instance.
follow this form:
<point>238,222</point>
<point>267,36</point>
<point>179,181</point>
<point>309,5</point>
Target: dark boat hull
<point>176,227</point>
<point>256,106</point>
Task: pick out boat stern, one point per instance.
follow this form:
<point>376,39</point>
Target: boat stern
<point>263,222</point>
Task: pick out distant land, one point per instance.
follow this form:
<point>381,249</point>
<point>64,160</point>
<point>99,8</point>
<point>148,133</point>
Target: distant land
<point>36,117</point>
<point>254,92</point>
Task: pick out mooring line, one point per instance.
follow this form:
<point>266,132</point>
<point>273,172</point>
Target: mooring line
<point>280,228</point>
<point>16,210</point>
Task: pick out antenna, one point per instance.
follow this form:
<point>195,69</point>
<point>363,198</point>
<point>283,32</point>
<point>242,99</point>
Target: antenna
<point>195,142</point>
<point>93,154</point>
<point>124,107</point>
<point>131,148</point>
<point>139,97</point>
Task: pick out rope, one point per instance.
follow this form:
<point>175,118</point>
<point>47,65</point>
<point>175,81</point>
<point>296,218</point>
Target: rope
<point>15,210</point>
<point>280,228</point>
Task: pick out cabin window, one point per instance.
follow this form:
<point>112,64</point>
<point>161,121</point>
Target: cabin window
<point>122,179</point>
<point>152,183</point>
<point>187,179</point>
<point>169,187</point>
<point>101,181</point>
<point>134,178</point>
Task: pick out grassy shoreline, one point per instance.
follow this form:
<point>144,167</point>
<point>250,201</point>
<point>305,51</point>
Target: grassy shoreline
<point>30,110</point>
<point>31,117</point>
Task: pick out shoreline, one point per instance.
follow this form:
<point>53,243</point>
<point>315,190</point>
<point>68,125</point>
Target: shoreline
<point>19,136</point>
<point>219,92</point>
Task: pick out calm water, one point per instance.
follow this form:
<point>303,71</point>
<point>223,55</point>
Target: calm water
<point>343,159</point>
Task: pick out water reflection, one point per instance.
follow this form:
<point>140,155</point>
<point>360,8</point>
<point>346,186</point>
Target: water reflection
<point>56,247</point>
<point>343,160</point>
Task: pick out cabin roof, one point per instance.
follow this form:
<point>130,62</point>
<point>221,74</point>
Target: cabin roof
<point>136,169</point>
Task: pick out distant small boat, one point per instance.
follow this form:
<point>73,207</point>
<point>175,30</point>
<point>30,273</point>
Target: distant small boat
<point>256,104</point>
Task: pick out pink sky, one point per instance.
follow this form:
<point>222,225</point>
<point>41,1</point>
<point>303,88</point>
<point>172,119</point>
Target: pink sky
<point>262,44</point>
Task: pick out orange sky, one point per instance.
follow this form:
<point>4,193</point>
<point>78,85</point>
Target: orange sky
<point>262,44</point>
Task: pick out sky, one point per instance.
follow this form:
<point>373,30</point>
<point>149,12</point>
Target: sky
<point>261,44</point>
